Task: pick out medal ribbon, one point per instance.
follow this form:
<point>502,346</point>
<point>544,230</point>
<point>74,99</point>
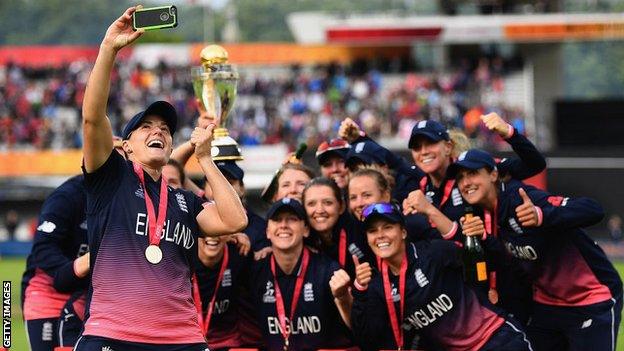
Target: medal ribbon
<point>491,227</point>
<point>342,248</point>
<point>394,321</point>
<point>204,322</point>
<point>154,228</point>
<point>279,302</point>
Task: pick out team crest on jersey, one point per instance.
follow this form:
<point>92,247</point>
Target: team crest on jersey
<point>46,227</point>
<point>139,193</point>
<point>227,278</point>
<point>359,147</point>
<point>515,226</point>
<point>421,279</point>
<point>456,197</point>
<point>269,294</point>
<point>308,292</point>
<point>107,348</point>
<point>83,225</point>
<point>429,195</point>
<point>354,250</point>
<point>395,294</point>
<point>181,202</point>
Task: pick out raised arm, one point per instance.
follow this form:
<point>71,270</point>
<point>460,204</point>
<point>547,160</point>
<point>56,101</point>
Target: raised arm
<point>96,127</point>
<point>529,161</point>
<point>226,215</point>
<point>351,132</point>
<point>181,154</point>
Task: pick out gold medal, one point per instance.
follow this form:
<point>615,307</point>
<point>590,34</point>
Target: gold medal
<point>153,254</point>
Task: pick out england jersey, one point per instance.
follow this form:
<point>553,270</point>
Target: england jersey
<point>348,239</point>
<point>316,323</point>
<point>226,327</point>
<point>439,307</point>
<point>566,266</point>
<point>61,237</point>
<point>131,299</point>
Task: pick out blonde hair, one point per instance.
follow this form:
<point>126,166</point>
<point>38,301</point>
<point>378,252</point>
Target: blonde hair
<point>460,142</point>
<point>375,173</point>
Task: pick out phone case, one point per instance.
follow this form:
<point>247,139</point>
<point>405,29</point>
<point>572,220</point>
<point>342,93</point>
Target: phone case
<point>155,18</point>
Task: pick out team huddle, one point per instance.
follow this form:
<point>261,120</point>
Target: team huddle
<point>370,255</point>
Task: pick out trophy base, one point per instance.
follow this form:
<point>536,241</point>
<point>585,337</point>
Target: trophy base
<point>224,148</point>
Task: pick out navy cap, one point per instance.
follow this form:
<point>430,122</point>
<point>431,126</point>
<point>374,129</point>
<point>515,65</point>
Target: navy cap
<point>385,210</point>
<point>472,159</point>
<point>335,147</point>
<point>367,152</point>
<point>158,108</point>
<point>287,203</point>
<point>230,170</point>
<point>432,130</point>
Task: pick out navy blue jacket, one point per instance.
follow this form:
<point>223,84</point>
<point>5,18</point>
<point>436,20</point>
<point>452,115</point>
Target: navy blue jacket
<point>566,266</point>
<point>61,237</point>
<point>225,328</point>
<point>356,243</point>
<point>256,231</point>
<point>317,323</point>
<point>439,307</point>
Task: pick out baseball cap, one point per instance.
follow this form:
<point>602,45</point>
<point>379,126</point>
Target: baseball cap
<point>472,159</point>
<point>231,170</point>
<point>367,152</point>
<point>158,108</point>
<point>430,129</point>
<point>287,203</point>
<point>335,147</point>
<point>385,210</point>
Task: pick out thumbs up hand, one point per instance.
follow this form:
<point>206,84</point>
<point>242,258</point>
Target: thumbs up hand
<point>526,212</point>
<point>363,273</point>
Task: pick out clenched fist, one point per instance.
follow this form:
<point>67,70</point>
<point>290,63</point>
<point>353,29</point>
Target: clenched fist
<point>349,130</point>
<point>497,124</point>
<point>201,139</point>
<point>339,283</point>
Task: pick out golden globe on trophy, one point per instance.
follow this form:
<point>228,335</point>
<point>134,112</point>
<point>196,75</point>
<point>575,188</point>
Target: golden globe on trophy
<point>214,84</point>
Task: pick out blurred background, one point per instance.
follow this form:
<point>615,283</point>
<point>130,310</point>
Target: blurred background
<point>554,69</point>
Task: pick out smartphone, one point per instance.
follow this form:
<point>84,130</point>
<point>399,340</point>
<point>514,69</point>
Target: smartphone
<point>155,18</point>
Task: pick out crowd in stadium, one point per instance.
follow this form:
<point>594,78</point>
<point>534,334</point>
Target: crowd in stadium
<point>40,107</point>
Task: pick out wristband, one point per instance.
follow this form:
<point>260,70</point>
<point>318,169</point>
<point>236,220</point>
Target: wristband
<point>451,232</point>
<point>540,215</point>
<point>359,287</point>
<point>510,131</point>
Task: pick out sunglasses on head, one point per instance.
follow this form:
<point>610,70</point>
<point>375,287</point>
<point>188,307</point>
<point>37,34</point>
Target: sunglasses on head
<point>379,208</point>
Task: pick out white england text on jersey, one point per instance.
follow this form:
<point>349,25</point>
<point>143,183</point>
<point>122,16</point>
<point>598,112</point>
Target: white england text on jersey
<point>181,235</point>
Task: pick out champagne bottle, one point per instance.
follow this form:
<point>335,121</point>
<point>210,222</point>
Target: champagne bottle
<point>475,268</point>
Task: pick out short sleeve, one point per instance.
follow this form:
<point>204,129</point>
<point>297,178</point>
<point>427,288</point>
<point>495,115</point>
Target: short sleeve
<point>102,184</point>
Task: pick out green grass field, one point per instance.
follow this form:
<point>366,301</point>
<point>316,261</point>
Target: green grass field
<point>12,269</point>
